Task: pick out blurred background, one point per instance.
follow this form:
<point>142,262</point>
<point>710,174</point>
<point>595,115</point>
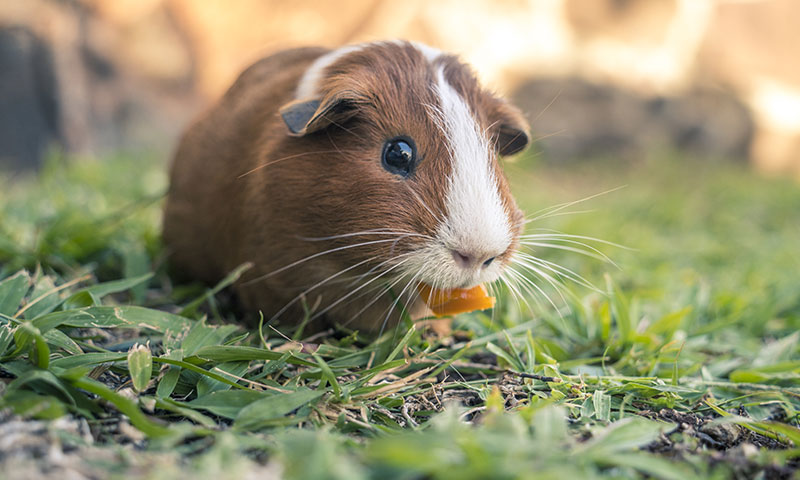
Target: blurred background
<point>615,79</point>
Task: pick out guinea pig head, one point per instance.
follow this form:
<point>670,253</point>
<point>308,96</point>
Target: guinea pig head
<point>412,189</point>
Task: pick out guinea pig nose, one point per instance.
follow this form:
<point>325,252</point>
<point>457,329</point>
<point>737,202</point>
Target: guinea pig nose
<point>470,260</point>
<point>463,260</point>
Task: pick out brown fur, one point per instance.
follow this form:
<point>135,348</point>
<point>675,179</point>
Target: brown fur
<point>245,190</point>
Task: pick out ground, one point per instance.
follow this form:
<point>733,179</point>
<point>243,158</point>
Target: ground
<point>669,348</point>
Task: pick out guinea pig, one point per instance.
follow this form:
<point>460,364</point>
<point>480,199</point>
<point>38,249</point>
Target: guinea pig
<point>347,177</point>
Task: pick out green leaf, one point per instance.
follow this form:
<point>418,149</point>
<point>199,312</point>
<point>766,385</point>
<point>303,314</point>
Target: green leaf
<point>176,407</point>
<point>620,311</point>
<point>87,359</point>
<point>328,375</point>
<point>30,404</point>
<point>59,339</point>
<point>43,299</point>
<point>25,336</point>
<point>170,378</point>
<point>42,381</point>
<point>124,405</point>
<point>12,291</point>
<point>140,366</point>
<point>114,317</point>
<point>786,371</point>
<point>80,299</point>
<point>514,363</point>
<point>6,336</point>
<point>236,369</point>
<point>627,434</point>
<point>228,403</point>
<point>260,414</point>
<point>102,289</point>
<point>231,353</point>
<point>201,371</point>
<point>202,335</point>
<point>650,464</point>
<point>602,405</point>
<point>189,309</point>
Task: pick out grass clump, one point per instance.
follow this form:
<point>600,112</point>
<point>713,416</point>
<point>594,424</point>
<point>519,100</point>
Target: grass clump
<point>683,362</point>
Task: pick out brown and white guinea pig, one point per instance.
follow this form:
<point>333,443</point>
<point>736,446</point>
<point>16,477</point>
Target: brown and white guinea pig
<point>347,177</point>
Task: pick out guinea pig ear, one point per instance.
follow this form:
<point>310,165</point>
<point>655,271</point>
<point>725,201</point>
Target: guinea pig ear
<point>306,116</point>
<point>511,129</point>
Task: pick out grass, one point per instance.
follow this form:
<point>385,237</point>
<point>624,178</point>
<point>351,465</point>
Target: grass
<point>683,362</point>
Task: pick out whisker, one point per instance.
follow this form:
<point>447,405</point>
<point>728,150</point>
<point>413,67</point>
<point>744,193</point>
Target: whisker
<point>555,97</point>
<point>317,285</point>
<point>546,277</point>
<point>556,235</point>
<point>364,285</point>
<point>366,232</point>
<point>316,255</point>
<point>519,284</point>
<point>597,255</point>
<point>558,270</point>
<point>272,162</point>
<point>525,280</point>
<point>559,207</point>
<point>558,214</point>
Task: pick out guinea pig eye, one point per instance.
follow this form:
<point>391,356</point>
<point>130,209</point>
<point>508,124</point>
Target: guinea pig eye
<point>399,156</point>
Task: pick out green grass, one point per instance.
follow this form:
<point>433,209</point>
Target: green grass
<point>701,318</point>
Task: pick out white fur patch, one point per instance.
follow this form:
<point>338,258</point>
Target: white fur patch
<point>309,83</point>
<point>430,53</point>
<point>476,222</point>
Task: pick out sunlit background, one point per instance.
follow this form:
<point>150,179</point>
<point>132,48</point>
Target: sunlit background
<point>597,78</point>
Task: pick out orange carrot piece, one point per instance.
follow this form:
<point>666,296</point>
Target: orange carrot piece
<point>456,300</point>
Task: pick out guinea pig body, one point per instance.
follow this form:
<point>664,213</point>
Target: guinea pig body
<point>347,177</point>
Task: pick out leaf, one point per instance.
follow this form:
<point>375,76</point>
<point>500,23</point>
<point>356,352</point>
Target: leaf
<point>402,344</point>
<point>45,297</point>
<point>42,377</point>
<point>627,434</point>
<point>86,359</point>
<point>80,299</point>
<point>6,335</point>
<point>228,403</point>
<point>25,336</point>
<point>59,339</point>
<point>232,353</point>
<point>102,289</point>
<point>787,371</point>
<point>140,366</point>
<point>114,317</point>
<point>30,404</point>
<point>207,385</point>
<point>201,371</point>
<point>202,335</point>
<point>176,407</point>
<point>669,323</point>
<point>328,375</point>
<point>259,414</point>
<point>650,464</point>
<point>12,291</point>
<point>514,363</point>
<point>170,378</point>
<point>124,405</point>
<point>190,308</point>
<point>602,405</point>
<point>620,311</point>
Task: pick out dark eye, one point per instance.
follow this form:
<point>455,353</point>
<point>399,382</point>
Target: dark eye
<point>400,156</point>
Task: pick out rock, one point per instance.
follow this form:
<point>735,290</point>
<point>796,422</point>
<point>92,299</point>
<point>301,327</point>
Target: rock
<point>578,120</point>
<point>29,106</point>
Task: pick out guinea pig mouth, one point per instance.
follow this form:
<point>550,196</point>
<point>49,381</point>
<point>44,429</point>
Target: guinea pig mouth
<point>445,302</point>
